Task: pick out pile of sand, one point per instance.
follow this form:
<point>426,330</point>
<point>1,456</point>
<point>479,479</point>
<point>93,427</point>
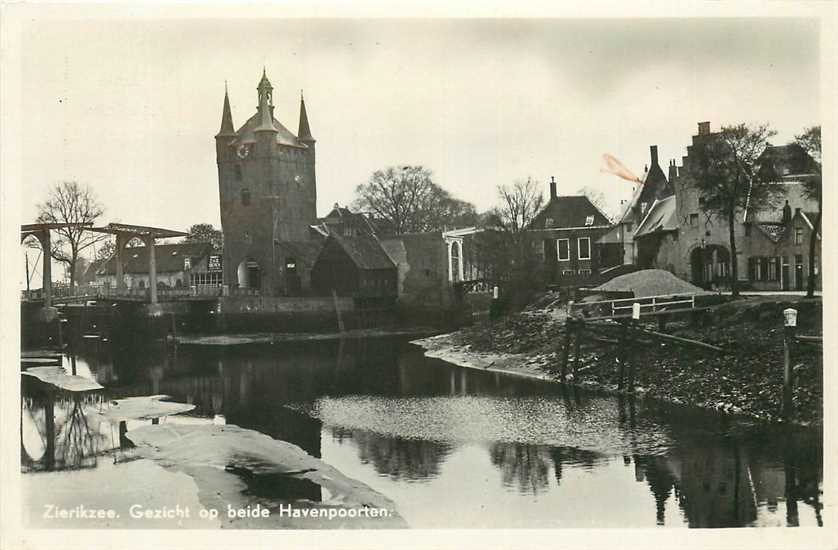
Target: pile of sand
<point>650,282</point>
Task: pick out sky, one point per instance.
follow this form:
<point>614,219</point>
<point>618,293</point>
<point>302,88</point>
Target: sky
<point>130,106</point>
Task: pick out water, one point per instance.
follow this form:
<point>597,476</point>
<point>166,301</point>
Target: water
<point>461,448</point>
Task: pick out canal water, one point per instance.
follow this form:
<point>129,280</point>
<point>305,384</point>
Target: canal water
<point>456,447</point>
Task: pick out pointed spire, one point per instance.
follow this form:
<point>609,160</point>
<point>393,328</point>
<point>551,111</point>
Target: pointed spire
<point>265,105</point>
<point>304,132</point>
<point>226,116</point>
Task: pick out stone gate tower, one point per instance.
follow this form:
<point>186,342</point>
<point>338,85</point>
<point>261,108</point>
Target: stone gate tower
<point>267,191</point>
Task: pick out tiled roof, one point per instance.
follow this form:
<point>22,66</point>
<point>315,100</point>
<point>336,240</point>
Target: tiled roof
<point>569,211</point>
<point>284,136</point>
<point>168,257</point>
<point>365,251</point>
<point>782,161</point>
<point>661,217</point>
<point>304,252</point>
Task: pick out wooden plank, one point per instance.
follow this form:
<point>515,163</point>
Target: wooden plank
<point>649,314</point>
<point>680,339</point>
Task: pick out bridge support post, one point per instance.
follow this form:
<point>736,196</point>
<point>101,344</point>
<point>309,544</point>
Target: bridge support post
<point>152,269</point>
<point>46,270</point>
<point>121,240</point>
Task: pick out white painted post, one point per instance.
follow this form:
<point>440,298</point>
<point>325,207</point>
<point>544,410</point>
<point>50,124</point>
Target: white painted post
<point>635,311</point>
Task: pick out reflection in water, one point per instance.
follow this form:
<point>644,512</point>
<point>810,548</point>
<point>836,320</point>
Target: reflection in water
<point>61,431</point>
<point>397,457</point>
<point>404,418</point>
<point>523,466</point>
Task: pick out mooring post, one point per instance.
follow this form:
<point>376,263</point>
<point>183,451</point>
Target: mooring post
<point>123,429</point>
<point>790,327</point>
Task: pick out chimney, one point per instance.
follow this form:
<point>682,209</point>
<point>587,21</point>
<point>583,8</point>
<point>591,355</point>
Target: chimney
<point>704,128</point>
<point>552,188</point>
<point>786,212</point>
<point>673,171</point>
<point>653,150</point>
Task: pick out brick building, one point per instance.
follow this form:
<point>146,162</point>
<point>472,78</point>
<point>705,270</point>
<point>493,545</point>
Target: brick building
<point>565,232</point>
<point>268,193</point>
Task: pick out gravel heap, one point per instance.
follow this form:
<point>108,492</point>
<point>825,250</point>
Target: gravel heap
<point>650,282</point>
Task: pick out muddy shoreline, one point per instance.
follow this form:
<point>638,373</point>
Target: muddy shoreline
<point>745,381</point>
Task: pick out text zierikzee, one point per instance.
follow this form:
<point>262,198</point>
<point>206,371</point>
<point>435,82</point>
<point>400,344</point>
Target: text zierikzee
<point>137,511</point>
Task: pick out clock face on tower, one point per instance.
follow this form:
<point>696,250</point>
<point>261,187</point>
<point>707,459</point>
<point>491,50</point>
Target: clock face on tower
<point>243,150</point>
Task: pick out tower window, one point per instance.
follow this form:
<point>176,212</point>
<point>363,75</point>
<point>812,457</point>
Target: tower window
<point>246,197</point>
<point>238,170</point>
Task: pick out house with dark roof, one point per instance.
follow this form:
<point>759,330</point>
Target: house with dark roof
<point>356,266</point>
<point>566,231</point>
<point>346,223</point>
<point>179,265</point>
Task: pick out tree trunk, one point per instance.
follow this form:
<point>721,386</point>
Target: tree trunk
<point>810,286</point>
<point>734,271</point>
<point>74,258</point>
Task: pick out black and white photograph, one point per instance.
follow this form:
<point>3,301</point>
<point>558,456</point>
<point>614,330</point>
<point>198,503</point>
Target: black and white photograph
<point>361,276</point>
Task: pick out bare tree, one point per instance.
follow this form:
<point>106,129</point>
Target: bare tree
<point>725,173</point>
<point>519,203</point>
<point>68,202</point>
<point>810,140</point>
<point>409,199</point>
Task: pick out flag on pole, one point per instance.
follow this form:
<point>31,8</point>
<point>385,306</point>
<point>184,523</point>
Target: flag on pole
<point>614,166</point>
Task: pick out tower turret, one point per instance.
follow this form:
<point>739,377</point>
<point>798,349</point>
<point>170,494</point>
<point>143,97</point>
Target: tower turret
<point>266,107</point>
<point>304,131</point>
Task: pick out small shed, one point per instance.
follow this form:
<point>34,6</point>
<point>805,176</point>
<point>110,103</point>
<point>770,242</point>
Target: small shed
<point>354,266</point>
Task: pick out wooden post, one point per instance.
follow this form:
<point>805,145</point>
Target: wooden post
<point>790,326</point>
<point>341,328</point>
<point>578,327</point>
<point>566,350</point>
<point>621,355</point>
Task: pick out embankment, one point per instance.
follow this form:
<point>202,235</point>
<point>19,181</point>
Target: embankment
<point>746,379</point>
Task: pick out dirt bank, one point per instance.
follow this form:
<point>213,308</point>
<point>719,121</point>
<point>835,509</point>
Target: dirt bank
<point>746,379</point>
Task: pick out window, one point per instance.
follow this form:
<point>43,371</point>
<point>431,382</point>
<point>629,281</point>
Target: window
<point>758,269</point>
<point>643,206</point>
<point>589,220</point>
<point>567,272</point>
<point>245,197</point>
<point>701,202</point>
<point>693,220</point>
<point>238,170</point>
<point>584,248</point>
<point>290,263</point>
<point>563,246</point>
<point>798,235</point>
<point>584,272</point>
<point>773,268</point>
<point>187,264</point>
<point>548,222</point>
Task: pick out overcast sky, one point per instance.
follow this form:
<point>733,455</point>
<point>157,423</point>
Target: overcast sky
<point>130,107</point>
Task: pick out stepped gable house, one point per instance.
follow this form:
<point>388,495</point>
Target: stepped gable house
<point>567,229</point>
<point>772,244</point>
<point>268,194</point>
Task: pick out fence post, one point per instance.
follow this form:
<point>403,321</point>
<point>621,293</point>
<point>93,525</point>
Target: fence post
<point>789,329</point>
<point>579,326</point>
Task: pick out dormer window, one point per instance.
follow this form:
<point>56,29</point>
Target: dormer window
<point>643,206</point>
<point>548,222</point>
<point>589,221</point>
<point>187,264</point>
